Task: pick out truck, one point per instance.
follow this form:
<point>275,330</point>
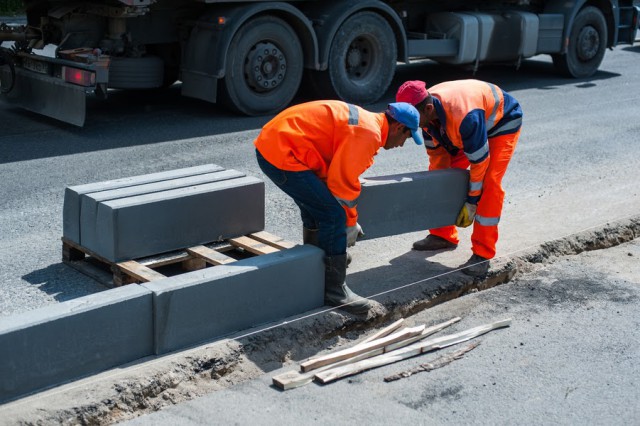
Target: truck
<point>254,56</point>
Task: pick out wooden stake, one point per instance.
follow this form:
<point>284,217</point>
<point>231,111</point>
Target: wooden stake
<point>408,352</point>
<point>294,379</point>
<point>433,365</point>
<point>384,332</point>
<point>334,357</point>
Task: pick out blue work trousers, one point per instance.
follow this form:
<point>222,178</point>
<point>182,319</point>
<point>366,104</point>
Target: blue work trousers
<point>318,207</point>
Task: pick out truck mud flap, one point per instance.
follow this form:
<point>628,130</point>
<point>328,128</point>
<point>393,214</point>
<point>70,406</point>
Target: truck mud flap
<point>45,95</point>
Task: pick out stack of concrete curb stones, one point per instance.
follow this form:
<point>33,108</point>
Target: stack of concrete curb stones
<point>147,215</point>
<point>64,342</point>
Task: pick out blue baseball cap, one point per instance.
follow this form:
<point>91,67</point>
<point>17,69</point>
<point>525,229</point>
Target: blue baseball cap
<point>408,115</point>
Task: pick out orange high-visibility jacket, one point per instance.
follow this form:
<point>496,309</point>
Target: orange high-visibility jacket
<point>469,113</point>
<point>335,140</point>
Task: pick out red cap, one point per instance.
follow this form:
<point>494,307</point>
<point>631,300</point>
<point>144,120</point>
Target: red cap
<point>412,92</point>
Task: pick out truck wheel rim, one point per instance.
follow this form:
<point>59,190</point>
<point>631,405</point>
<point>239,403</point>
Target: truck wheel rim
<point>358,61</point>
<point>265,67</point>
<point>588,43</point>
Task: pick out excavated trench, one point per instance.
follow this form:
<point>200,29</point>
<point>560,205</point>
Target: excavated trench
<point>180,377</point>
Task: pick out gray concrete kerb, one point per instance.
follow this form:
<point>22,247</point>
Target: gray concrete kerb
<point>179,376</point>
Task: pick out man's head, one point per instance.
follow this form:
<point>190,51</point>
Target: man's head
<point>404,121</point>
<point>415,93</point>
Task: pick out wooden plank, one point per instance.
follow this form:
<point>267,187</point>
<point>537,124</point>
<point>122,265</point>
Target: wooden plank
<point>294,379</point>
<point>384,332</point>
<point>389,344</point>
<point>252,246</point>
<point>334,357</point>
<point>138,271</point>
<point>193,264</point>
<point>84,250</point>
<point>91,270</point>
<point>164,259</point>
<point>333,374</point>
<point>439,362</point>
<point>209,255</point>
<point>71,253</point>
<point>272,240</point>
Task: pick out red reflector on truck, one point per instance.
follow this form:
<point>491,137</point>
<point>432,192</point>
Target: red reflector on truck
<point>78,76</point>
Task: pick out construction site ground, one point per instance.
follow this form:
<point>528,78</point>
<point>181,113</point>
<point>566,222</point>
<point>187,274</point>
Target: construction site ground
<point>570,217</point>
<point>574,307</point>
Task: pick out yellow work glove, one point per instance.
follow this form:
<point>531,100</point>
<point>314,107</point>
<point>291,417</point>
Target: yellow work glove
<point>466,215</point>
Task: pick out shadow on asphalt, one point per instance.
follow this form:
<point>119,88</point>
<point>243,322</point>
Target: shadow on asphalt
<point>54,280</point>
<point>411,273</point>
<point>132,118</point>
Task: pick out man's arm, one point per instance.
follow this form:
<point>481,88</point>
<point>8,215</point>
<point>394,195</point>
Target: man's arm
<point>476,147</point>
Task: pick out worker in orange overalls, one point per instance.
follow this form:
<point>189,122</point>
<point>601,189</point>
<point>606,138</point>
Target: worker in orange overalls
<point>315,152</point>
<point>468,123</point>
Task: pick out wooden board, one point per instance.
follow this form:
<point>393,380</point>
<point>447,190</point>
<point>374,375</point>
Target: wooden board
<point>294,379</point>
<point>272,240</point>
<point>332,374</point>
<point>252,246</point>
<point>334,357</point>
<point>210,256</point>
<point>138,271</point>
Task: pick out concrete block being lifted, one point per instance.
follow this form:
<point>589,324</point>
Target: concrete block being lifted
<point>410,202</point>
<point>158,222</point>
<point>203,305</point>
<point>90,228</point>
<point>71,208</point>
<point>76,338</point>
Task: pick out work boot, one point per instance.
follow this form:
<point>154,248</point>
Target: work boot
<point>336,292</point>
<point>310,236</point>
<point>433,242</point>
<point>476,266</point>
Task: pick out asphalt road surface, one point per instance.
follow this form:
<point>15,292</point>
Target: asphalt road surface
<point>575,166</point>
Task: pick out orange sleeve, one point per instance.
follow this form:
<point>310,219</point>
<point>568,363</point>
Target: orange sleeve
<point>439,159</point>
<point>476,178</point>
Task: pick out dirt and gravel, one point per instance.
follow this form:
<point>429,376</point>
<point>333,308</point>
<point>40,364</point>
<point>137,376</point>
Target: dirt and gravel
<point>154,383</point>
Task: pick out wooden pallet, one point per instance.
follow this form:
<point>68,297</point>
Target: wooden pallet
<point>116,274</point>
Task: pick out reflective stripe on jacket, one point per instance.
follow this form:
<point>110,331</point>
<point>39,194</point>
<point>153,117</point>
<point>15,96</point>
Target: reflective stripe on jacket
<point>469,113</point>
<point>335,140</point>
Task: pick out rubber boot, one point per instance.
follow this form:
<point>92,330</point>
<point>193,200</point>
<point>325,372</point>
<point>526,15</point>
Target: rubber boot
<point>310,236</point>
<point>476,266</point>
<point>433,242</point>
<point>336,292</point>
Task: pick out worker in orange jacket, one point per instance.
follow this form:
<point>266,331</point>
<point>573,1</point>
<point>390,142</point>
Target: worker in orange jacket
<point>475,124</point>
<point>315,152</point>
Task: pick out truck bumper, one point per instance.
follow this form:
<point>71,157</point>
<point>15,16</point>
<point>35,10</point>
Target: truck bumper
<point>45,95</point>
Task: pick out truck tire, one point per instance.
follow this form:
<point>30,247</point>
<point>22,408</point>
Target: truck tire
<point>587,44</point>
<point>264,67</point>
<point>136,73</point>
<point>170,54</point>
<point>362,60</point>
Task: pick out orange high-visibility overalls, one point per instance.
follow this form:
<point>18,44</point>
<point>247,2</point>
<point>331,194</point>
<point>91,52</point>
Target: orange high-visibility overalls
<point>482,121</point>
<point>335,140</point>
